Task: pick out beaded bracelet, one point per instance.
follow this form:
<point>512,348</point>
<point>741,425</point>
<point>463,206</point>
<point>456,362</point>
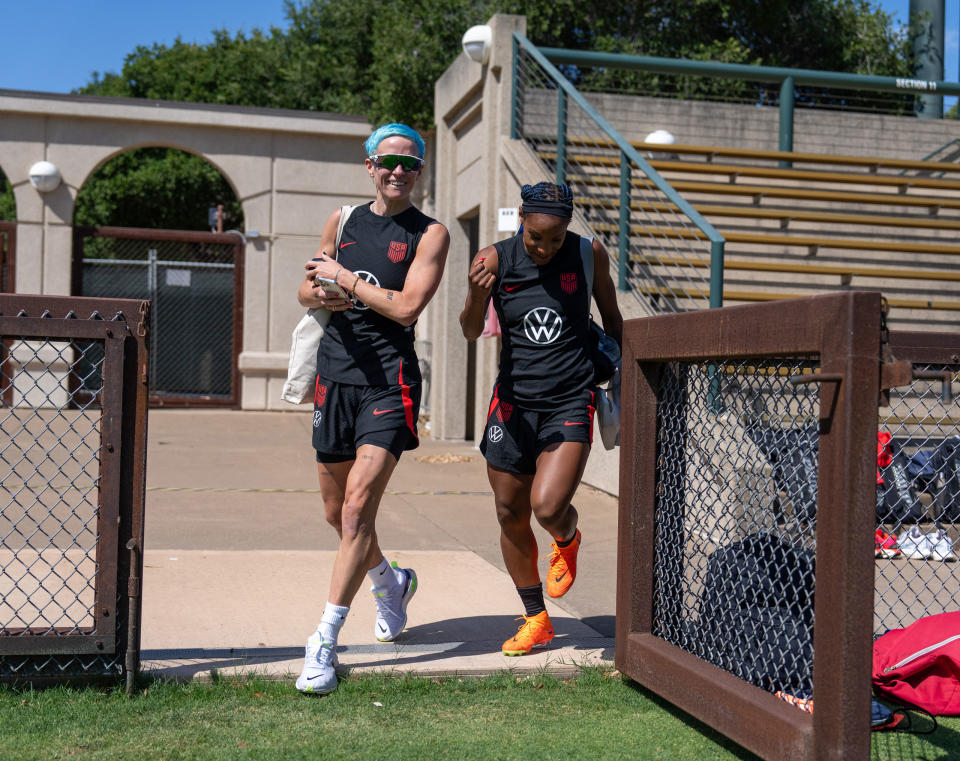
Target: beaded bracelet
<point>353,291</point>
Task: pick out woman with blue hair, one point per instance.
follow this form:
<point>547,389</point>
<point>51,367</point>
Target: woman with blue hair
<point>386,266</point>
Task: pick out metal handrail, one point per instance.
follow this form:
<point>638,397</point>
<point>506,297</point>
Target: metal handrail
<point>787,78</point>
<point>629,157</point>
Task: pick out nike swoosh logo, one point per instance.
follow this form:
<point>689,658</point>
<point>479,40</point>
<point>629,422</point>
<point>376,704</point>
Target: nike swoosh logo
<point>508,288</point>
<point>567,422</point>
<point>381,412</point>
<point>557,578</point>
<point>351,243</point>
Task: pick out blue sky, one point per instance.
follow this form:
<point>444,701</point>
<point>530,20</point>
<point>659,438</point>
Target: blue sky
<point>56,45</point>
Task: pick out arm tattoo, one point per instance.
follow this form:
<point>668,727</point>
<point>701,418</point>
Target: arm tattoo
<point>366,457</point>
<point>389,295</point>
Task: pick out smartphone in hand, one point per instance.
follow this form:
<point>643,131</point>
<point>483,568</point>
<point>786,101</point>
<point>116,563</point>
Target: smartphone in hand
<point>330,288</point>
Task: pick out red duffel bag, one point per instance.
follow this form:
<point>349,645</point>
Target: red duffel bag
<point>920,665</point>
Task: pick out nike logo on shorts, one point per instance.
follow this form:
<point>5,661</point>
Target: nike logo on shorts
<point>381,412</point>
<point>567,422</point>
<point>510,288</point>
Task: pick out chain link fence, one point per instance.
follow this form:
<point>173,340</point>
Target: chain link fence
<point>736,518</point>
<point>193,283</point>
<point>918,493</point>
<point>72,459</point>
<point>750,439</point>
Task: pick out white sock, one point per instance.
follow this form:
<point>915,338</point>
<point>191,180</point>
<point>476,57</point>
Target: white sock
<point>331,621</point>
<point>385,575</point>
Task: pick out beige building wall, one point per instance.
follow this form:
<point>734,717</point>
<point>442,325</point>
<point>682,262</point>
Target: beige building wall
<point>289,169</point>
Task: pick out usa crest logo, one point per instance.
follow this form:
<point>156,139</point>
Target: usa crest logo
<point>319,393</point>
<point>397,250</point>
<point>568,282</point>
<point>504,411</point>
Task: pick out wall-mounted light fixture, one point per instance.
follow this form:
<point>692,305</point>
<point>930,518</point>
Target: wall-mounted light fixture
<point>44,176</point>
<point>476,43</point>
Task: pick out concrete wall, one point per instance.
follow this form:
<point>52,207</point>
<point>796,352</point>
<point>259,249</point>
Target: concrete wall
<point>289,170</point>
<point>745,126</point>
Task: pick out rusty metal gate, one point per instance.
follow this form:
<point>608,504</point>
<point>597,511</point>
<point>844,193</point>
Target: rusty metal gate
<point>72,480</point>
<point>194,281</point>
<point>747,509</point>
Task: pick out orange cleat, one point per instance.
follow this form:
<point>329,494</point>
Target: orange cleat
<point>563,567</point>
<point>535,631</point>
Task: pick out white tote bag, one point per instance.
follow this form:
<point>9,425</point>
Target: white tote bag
<point>302,369</point>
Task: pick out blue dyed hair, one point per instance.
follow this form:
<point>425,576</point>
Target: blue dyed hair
<point>392,130</point>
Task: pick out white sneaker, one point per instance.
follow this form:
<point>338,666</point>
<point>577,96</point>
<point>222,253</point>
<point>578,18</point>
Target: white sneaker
<point>915,544</point>
<point>319,663</point>
<point>392,606</point>
<point>941,548</point>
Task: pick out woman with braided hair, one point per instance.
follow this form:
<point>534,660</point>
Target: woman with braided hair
<point>540,421</point>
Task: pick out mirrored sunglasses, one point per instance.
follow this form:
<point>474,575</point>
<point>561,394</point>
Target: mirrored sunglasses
<point>390,161</point>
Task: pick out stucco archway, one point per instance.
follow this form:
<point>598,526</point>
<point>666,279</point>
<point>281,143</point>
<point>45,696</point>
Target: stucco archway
<point>290,170</point>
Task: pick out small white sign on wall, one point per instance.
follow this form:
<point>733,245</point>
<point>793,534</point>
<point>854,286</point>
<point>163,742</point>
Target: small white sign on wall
<point>508,220</point>
<point>178,277</point>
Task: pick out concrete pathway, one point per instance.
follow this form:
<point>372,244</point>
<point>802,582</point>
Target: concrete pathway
<point>238,558</point>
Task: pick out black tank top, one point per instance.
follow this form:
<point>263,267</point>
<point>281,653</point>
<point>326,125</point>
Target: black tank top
<point>544,314</point>
<point>361,346</point>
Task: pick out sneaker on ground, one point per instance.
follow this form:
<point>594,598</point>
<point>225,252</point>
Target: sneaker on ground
<point>563,567</point>
<point>535,631</point>
<point>885,545</point>
<point>319,674</point>
<point>915,544</point>
<point>941,548</point>
<point>392,606</point>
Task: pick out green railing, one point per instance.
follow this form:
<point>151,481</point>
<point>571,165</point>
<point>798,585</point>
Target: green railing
<point>788,79</point>
<point>672,242</point>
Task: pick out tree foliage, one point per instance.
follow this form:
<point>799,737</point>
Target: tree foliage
<point>160,188</point>
<point>381,58</point>
<point>8,204</point>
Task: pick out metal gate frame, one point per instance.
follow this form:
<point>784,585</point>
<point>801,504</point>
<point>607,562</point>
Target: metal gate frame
<point>843,330</point>
<point>122,325</point>
<point>178,236</point>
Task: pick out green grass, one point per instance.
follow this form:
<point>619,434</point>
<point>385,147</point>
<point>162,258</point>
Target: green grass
<point>597,715</point>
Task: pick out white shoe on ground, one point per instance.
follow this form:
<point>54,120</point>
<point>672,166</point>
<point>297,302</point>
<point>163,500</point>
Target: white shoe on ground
<point>941,548</point>
<point>319,674</point>
<point>915,544</point>
<point>392,606</point>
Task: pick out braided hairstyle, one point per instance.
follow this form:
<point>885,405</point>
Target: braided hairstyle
<point>547,198</point>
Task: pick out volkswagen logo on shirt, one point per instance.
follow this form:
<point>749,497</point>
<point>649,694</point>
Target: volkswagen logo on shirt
<point>495,433</point>
<point>542,325</point>
<point>370,278</point>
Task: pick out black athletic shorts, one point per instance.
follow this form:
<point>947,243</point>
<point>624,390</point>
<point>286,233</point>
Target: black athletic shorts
<point>515,436</point>
<point>346,416</point>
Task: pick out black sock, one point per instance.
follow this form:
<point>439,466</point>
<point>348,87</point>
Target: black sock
<point>567,542</point>
<point>532,598</point>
